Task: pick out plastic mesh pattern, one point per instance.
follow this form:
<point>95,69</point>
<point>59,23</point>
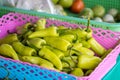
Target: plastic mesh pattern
<point>13,20</point>
<point>20,70</point>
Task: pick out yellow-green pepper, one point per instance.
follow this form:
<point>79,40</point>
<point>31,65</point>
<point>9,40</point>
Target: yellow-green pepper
<point>50,31</point>
<point>58,52</point>
<point>23,50</point>
<point>88,62</point>
<point>58,43</point>
<point>7,50</point>
<point>36,43</point>
<point>77,72</point>
<point>40,24</point>
<point>9,39</point>
<point>36,60</point>
<point>96,47</point>
<point>51,56</point>
<point>68,37</point>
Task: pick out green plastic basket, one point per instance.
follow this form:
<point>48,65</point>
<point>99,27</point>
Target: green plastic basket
<point>108,4</point>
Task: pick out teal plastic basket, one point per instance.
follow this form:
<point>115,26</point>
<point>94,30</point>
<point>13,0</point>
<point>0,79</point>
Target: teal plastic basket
<point>113,74</point>
<point>103,25</point>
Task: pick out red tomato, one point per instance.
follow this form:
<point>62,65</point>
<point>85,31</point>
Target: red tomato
<point>77,6</point>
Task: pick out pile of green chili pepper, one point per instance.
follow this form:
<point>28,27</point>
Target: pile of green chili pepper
<point>55,47</point>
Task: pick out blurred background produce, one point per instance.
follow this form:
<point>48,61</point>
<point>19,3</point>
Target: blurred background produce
<point>97,12</point>
<point>74,8</point>
<point>77,6</point>
<point>46,6</point>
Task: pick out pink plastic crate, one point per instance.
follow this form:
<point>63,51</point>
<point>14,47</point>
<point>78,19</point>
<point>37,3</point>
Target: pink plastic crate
<point>106,38</point>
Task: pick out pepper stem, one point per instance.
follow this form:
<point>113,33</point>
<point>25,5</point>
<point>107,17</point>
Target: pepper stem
<point>71,55</point>
<point>68,64</point>
<point>88,24</point>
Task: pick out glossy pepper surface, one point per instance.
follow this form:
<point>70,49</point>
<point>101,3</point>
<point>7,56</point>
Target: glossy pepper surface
<point>40,24</point>
<point>7,50</point>
<point>36,60</point>
<point>9,39</point>
<point>50,31</point>
<point>51,56</point>
<point>22,49</point>
<point>88,62</point>
<point>68,37</point>
<point>58,52</point>
<point>77,72</point>
<point>58,43</point>
<point>36,42</point>
<point>96,47</point>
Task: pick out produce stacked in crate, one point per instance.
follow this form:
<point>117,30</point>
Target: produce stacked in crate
<point>55,45</point>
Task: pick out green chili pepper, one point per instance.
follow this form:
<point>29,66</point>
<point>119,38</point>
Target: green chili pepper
<point>89,33</point>
<point>28,51</point>
<point>106,53</point>
<point>27,25</point>
<point>77,72</point>
<point>23,37</point>
<point>36,60</point>
<point>68,37</point>
<point>85,44</point>
<point>65,64</point>
<point>18,47</point>
<point>84,50</point>
<point>73,32</point>
<point>88,62</point>
<point>81,34</point>
<point>62,31</point>
<point>48,66</point>
<point>85,34</point>
<point>58,43</point>
<point>60,54</point>
<point>26,34</point>
<point>70,61</point>
<point>36,42</point>
<point>23,50</point>
<point>51,56</point>
<point>88,29</point>
<point>23,29</point>
<point>77,45</point>
<point>96,47</point>
<point>50,31</point>
<point>7,50</point>
<point>62,27</point>
<point>40,24</point>
<point>67,70</point>
<point>9,39</point>
<point>88,72</point>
